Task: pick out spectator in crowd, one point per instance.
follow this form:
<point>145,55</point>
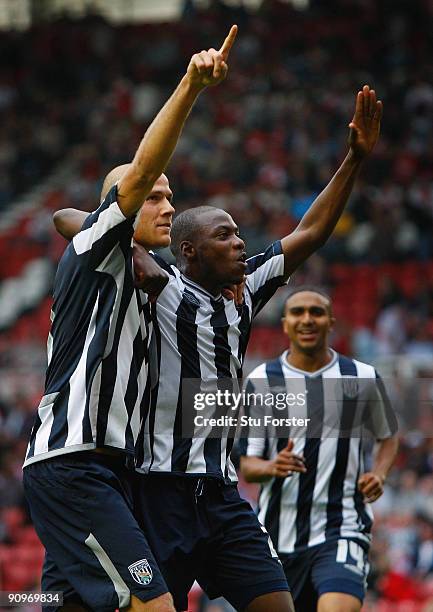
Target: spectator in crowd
<point>261,149</point>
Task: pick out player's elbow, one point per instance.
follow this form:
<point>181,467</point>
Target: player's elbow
<point>59,220</point>
<point>391,444</point>
<point>248,476</point>
<point>315,237</point>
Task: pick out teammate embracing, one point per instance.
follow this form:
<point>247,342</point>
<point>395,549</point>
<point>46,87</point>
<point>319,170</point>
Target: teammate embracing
<point>199,527</point>
<point>188,504</point>
<point>79,463</point>
<point>315,497</point>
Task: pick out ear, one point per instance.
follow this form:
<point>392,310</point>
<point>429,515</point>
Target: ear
<point>187,250</point>
<point>284,325</point>
<point>331,323</point>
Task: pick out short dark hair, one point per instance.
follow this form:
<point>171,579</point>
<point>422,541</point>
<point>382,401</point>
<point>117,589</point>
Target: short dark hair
<point>186,226</point>
<point>312,289</point>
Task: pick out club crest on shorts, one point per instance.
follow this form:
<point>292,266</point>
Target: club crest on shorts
<point>141,571</point>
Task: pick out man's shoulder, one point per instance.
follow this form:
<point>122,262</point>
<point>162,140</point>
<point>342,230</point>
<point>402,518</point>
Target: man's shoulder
<point>255,261</point>
<point>360,368</point>
<point>262,370</point>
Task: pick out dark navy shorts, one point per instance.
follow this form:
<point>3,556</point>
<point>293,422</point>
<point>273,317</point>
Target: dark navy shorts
<point>200,529</point>
<point>337,566</point>
<point>81,507</point>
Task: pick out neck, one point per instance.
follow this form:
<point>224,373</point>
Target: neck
<point>309,362</point>
<point>205,283</point>
<point>148,247</point>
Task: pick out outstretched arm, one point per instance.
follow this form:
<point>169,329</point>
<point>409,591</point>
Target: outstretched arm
<point>320,220</point>
<point>205,69</point>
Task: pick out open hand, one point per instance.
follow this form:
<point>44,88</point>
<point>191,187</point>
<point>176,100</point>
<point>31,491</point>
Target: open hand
<point>365,125</point>
<point>209,68</point>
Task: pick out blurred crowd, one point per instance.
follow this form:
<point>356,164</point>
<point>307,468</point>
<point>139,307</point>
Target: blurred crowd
<point>262,146</point>
<point>265,142</point>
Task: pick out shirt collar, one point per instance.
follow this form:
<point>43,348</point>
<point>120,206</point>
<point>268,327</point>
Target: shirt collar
<point>197,287</point>
<point>287,365</point>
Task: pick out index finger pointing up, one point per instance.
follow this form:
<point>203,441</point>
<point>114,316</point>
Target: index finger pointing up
<point>228,43</point>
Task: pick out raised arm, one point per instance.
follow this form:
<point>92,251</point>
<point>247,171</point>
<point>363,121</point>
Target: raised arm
<point>320,220</point>
<point>205,69</point>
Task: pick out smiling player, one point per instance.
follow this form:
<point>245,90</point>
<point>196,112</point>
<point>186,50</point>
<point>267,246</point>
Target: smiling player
<point>315,497</point>
<point>188,505</point>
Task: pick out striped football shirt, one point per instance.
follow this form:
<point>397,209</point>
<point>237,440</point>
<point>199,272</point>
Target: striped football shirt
<point>306,509</point>
<point>96,386</point>
<point>200,336</point>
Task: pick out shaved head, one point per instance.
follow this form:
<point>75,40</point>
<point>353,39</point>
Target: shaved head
<point>112,177</point>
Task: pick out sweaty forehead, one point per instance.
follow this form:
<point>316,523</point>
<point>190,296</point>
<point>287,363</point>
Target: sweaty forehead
<point>306,299</point>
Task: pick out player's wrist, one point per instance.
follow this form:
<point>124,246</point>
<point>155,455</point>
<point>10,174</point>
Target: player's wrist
<point>271,469</point>
<point>381,476</point>
<point>355,157</point>
<point>191,85</point>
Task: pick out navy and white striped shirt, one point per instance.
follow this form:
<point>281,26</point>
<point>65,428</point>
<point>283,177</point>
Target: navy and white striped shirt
<point>200,336</point>
<point>306,509</point>
<point>96,383</point>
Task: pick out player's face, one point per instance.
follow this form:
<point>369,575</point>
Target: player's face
<point>308,321</point>
<point>220,251</point>
<point>153,225</point>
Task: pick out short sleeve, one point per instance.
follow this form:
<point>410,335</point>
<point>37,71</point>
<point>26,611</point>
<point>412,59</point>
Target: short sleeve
<point>103,229</point>
<point>265,274</point>
<point>381,418</point>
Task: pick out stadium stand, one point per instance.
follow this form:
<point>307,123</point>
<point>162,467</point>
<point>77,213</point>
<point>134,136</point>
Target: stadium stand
<point>74,98</point>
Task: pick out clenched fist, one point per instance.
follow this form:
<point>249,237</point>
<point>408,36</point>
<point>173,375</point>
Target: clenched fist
<point>286,462</point>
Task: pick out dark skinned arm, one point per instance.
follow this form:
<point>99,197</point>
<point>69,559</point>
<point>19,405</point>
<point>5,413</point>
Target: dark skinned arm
<point>371,483</point>
<point>256,469</point>
<point>320,220</point>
